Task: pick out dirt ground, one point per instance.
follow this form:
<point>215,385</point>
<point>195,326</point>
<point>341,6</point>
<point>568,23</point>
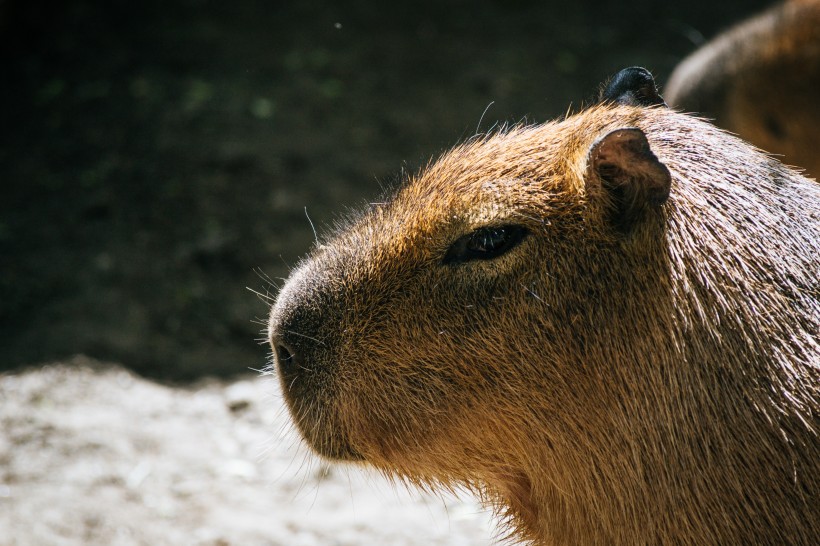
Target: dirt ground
<point>91,454</point>
<point>159,158</point>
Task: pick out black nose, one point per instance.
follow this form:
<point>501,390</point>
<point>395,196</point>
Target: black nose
<point>302,355</point>
<point>291,350</point>
<point>286,357</point>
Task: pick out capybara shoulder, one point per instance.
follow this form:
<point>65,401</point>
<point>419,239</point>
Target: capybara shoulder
<point>761,80</point>
<point>606,326</point>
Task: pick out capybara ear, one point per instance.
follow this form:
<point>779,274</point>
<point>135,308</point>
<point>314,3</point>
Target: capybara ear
<point>632,86</point>
<point>622,164</point>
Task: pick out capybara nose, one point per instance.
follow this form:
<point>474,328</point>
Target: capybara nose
<point>297,350</point>
<point>288,349</point>
<point>286,356</point>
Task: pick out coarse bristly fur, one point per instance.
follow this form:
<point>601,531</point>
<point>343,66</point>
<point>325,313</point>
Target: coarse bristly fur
<point>656,382</point>
<point>760,79</point>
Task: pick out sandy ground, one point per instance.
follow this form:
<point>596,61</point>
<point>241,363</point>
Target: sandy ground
<point>92,454</point>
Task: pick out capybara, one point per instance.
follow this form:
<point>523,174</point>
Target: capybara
<point>607,326</point>
<point>761,80</point>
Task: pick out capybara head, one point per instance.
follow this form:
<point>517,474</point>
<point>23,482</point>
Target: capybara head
<point>606,326</point>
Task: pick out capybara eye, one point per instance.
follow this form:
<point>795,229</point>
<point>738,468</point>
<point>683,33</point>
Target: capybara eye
<point>485,243</point>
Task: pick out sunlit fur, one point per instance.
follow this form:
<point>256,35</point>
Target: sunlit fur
<point>596,386</point>
<point>761,80</point>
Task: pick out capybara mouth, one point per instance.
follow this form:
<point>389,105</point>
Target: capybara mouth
<point>327,441</point>
<point>335,449</point>
<point>309,393</point>
<point>317,422</point>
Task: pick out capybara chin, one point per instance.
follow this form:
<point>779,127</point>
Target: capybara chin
<point>761,80</point>
<point>607,326</point>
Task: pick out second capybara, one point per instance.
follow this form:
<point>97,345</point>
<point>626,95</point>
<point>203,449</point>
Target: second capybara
<point>761,80</point>
<point>606,326</point>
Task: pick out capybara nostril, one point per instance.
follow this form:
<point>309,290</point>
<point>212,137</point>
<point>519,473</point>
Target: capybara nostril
<point>296,342</point>
<point>285,358</point>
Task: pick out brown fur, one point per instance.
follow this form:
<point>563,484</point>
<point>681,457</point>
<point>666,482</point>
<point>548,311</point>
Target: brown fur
<point>656,385</point>
<point>761,80</point>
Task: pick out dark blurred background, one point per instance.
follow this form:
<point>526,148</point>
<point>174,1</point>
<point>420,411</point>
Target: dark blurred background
<point>156,158</point>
